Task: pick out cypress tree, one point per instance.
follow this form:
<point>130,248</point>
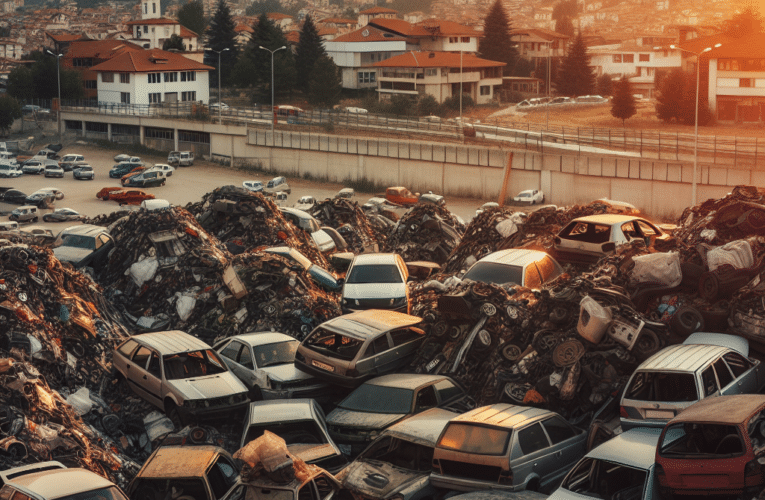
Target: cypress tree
<point>496,45</point>
<point>310,49</point>
<point>623,103</point>
<point>576,77</point>
<point>192,16</point>
<point>324,84</point>
<point>220,36</point>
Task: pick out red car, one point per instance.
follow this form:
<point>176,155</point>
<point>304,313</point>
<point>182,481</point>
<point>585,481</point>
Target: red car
<point>401,196</point>
<point>105,192</point>
<point>714,447</point>
<point>130,196</point>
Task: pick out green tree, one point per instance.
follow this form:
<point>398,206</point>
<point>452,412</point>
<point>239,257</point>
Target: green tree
<point>324,85</point>
<point>604,85</point>
<point>565,26</point>
<point>623,103</point>
<point>453,103</point>
<point>496,45</point>
<point>20,83</point>
<point>575,76</point>
<point>40,80</point>
<point>427,105</point>
<point>310,49</point>
<point>174,42</point>
<point>221,36</point>
<point>267,34</point>
<point>745,23</point>
<point>10,111</point>
<point>349,13</point>
<point>192,16</point>
<point>259,7</point>
<point>670,97</point>
<point>401,104</point>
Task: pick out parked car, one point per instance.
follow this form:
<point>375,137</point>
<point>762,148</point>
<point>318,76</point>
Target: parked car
<point>104,193</point>
<point>530,196</point>
<point>529,268</point>
<point>561,100</point>
<point>346,194</point>
<point>591,98</point>
<point>401,196</point>
<point>33,167</point>
<point>39,236</point>
<point>376,281</point>
<point>69,160</point>
<point>53,171</point>
<point>41,199</point>
<point>433,199</point>
<point>84,245</point>
<point>130,196</point>
<point>253,186</point>
<point>15,196</point>
<point>154,205</point>
<point>397,465</point>
<point>380,402</point>
<point>63,215</point>
<point>623,467</point>
<point>318,274</point>
<point>53,480</point>
<point>508,447</point>
<point>587,239</point>
<point>277,184</point>
<point>132,173</point>
<point>122,157</point>
<point>714,447</point>
<point>8,170</point>
<point>181,158</point>
<point>25,213</point>
<point>265,363</point>
<point>219,106</point>
<point>84,172</point>
<point>199,472</point>
<point>301,423</point>
<point>356,111</point>
<point>307,223</point>
<point>181,375</point>
<point>486,206</point>
<point>315,484</point>
<point>122,168</point>
<point>146,179</point>
<point>163,167</point>
<point>9,225</point>
<point>55,191</point>
<point>350,349</point>
<point>280,198</point>
<point>305,203</point>
<point>704,365</point>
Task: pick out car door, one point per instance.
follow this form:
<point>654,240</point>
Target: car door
<point>747,373</point>
<point>137,375</point>
<point>568,443</point>
<point>153,378</point>
<point>232,354</point>
<point>533,454</point>
<point>405,343</point>
<point>372,361</point>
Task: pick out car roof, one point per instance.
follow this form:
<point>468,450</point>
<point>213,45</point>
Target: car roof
<point>405,380</point>
<point>260,338</point>
<point>296,211</point>
<point>682,357</point>
<point>423,428</point>
<point>729,410</point>
<point>609,219</point>
<point>515,257</point>
<point>734,342</point>
<point>171,342</point>
<point>635,448</point>
<point>281,410</point>
<point>60,482</point>
<point>173,462</point>
<point>370,322</point>
<point>374,258</point>
<point>85,230</point>
<point>502,415</point>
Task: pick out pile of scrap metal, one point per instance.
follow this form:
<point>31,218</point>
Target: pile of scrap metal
<point>426,232</point>
<point>363,232</point>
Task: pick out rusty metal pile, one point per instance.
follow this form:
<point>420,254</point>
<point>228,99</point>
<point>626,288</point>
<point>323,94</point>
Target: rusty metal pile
<point>426,232</point>
<point>361,232</point>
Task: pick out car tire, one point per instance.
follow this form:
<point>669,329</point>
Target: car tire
<point>172,412</point>
<point>687,320</point>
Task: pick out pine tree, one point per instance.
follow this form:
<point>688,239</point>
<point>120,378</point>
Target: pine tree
<point>192,16</point>
<point>576,77</point>
<point>310,49</point>
<point>623,103</point>
<point>221,36</point>
<point>671,93</point>
<point>604,85</point>
<point>324,85</point>
<point>267,34</point>
<point>496,44</point>
<point>174,42</point>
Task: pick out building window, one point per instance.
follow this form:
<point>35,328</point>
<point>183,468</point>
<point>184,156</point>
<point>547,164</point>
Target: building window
<point>431,72</point>
<point>188,76</point>
<point>107,77</point>
<point>367,77</point>
<point>155,77</point>
<point>124,77</point>
<point>125,97</point>
<point>617,58</point>
<point>454,39</point>
<point>485,90</point>
<point>628,58</point>
<point>645,57</point>
<point>90,84</point>
<point>145,8</point>
<point>145,29</point>
<point>465,39</point>
<point>171,77</point>
<point>745,82</point>
<point>155,98</point>
<point>82,62</point>
<point>154,8</point>
<point>189,96</point>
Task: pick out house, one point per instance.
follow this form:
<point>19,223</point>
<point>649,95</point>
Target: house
<point>152,76</point>
<point>59,42</point>
<point>366,15</point>
<point>10,49</point>
<point>82,55</point>
<point>737,79</point>
<point>243,34</point>
<point>283,21</point>
<point>539,44</point>
<point>153,30</point>
<point>439,74</point>
<point>356,52</point>
<point>433,34</point>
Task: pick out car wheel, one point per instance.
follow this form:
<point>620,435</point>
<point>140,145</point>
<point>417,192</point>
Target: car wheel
<point>172,412</point>
<point>647,344</point>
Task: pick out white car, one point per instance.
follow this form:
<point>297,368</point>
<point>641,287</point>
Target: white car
<point>162,167</point>
<point>55,191</point>
<point>307,223</point>
<point>121,157</point>
<point>253,186</point>
<point>356,111</point>
<point>305,203</point>
<point>376,281</point>
<point>277,184</point>
<point>216,105</point>
<point>52,480</point>
<point>530,196</point>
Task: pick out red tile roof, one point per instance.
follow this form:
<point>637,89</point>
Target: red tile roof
<point>326,31</point>
<point>399,26</point>
<point>338,20</point>
<point>187,33</point>
<point>447,28</point>
<point>148,61</point>
<point>731,47</point>
<point>378,10</point>
<point>243,27</point>
<point>372,35</point>
<point>160,20</point>
<point>437,60</point>
<point>276,16</point>
<point>65,37</point>
<point>100,49</point>
<point>293,37</point>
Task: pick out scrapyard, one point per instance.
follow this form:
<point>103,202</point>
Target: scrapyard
<point>538,343</point>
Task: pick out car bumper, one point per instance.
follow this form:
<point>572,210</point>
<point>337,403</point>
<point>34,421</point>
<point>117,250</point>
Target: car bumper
<point>403,309</point>
<point>341,380</point>
<point>317,392</point>
<point>464,484</point>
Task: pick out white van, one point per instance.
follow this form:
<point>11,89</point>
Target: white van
<point>152,205</point>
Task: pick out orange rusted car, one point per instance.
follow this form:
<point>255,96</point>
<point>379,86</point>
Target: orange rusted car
<point>130,196</point>
<point>135,171</point>
<point>105,192</point>
<point>401,196</point>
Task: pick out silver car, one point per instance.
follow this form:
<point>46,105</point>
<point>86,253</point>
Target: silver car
<point>378,281</point>
<point>310,225</point>
<point>52,480</point>
<point>704,365</point>
<point>277,184</point>
<point>529,268</point>
<point>179,374</point>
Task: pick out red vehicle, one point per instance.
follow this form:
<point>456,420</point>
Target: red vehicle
<point>714,447</point>
<point>135,171</point>
<point>130,196</point>
<point>105,192</point>
<point>401,196</point>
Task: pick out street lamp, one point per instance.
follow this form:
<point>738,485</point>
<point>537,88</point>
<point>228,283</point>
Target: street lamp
<point>272,81</point>
<point>58,75</point>
<point>220,107</point>
<point>696,126</point>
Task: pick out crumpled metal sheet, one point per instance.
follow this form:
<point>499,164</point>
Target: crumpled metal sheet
<point>426,232</point>
<point>359,231</point>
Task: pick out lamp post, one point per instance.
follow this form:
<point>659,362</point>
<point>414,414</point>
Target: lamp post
<point>220,107</point>
<point>58,78</point>
<point>272,82</point>
<point>696,125</point>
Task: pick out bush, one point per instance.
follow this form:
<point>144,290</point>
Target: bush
<point>401,104</point>
<point>514,96</point>
<point>453,103</point>
<point>427,105</point>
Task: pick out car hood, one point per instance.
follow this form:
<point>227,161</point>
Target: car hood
<point>378,479</point>
<point>213,386</point>
<point>374,290</point>
<point>323,241</point>
<point>71,254</point>
<point>362,419</point>
<point>310,452</point>
<point>285,373</point>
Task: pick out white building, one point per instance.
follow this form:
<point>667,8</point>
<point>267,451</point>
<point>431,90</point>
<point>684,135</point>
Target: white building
<point>736,77</point>
<point>152,77</point>
<point>433,34</point>
<point>355,53</point>
<point>153,30</point>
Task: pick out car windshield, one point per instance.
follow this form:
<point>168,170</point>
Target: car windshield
<point>379,399</point>
<point>688,439</point>
<point>374,273</point>
<point>278,353</point>
<point>601,479</point>
<point>192,364</point>
<point>524,195</point>
<point>334,344</point>
<point>299,431</point>
<point>79,241</point>
<point>108,493</point>
<point>401,453</point>
<point>587,232</point>
<point>492,272</point>
<point>662,387</point>
<point>475,439</point>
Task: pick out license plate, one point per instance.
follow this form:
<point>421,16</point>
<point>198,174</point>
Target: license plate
<point>660,414</point>
<point>323,366</point>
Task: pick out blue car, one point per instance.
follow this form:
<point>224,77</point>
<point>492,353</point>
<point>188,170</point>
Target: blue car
<point>319,275</point>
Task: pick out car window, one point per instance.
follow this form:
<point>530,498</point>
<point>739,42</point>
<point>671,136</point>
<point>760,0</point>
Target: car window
<point>690,438</point>
<point>447,390</point>
<point>629,231</point>
<point>426,398</point>
<point>737,363</point>
<point>154,364</point>
<point>709,382</point>
<point>221,476</point>
<point>590,233</point>
<point>558,429</point>
<point>493,272</point>
<point>532,439</point>
<point>374,273</point>
<point>245,357</point>
<point>724,377</point>
<point>475,439</point>
<point>532,279</point>
<point>127,348</point>
<point>662,387</point>
<point>403,335</point>
<point>380,344</point>
<point>334,344</point>
<point>647,229</point>
<point>231,351</point>
<point>601,479</point>
<point>141,356</point>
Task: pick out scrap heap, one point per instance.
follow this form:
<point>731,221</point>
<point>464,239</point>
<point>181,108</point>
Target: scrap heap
<point>361,233</point>
<point>426,232</point>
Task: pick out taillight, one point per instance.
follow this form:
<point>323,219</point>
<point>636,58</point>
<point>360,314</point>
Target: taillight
<point>436,466</point>
<point>506,477</point>
<point>623,412</point>
<point>661,476</point>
